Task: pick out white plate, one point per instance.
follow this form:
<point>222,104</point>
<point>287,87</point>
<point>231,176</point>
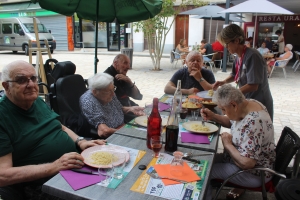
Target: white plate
<point>204,94</point>
<point>188,126</point>
<point>142,120</point>
<point>115,150</point>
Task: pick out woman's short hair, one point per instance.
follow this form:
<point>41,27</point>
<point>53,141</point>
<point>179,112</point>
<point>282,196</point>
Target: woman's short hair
<point>289,46</point>
<point>278,32</point>
<point>226,94</point>
<point>193,53</point>
<point>230,33</point>
<point>100,81</point>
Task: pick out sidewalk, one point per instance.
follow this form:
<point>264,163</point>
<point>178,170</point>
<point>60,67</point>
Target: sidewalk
<point>285,92</point>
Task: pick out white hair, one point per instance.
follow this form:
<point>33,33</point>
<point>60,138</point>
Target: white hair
<point>100,81</point>
<point>193,53</point>
<point>226,94</point>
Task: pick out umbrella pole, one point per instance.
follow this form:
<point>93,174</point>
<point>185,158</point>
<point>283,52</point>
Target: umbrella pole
<point>210,29</point>
<point>254,31</point>
<point>217,30</point>
<point>96,39</point>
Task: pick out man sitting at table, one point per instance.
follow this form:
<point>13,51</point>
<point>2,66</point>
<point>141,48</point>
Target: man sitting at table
<point>194,77</point>
<point>207,49</point>
<point>34,145</point>
<point>125,87</point>
<point>263,50</point>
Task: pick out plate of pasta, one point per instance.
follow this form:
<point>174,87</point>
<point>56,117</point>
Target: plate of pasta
<point>101,156</point>
<point>196,127</point>
<point>143,121</point>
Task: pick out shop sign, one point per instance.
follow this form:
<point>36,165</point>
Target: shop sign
<point>279,18</point>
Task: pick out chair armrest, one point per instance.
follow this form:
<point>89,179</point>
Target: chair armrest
<point>281,62</point>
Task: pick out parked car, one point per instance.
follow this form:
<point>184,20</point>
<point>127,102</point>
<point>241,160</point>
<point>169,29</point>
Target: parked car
<point>16,32</point>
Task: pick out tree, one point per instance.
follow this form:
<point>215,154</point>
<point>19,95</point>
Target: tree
<point>155,30</point>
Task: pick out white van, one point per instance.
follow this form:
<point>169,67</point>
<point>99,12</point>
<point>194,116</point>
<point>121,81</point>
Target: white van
<point>16,32</point>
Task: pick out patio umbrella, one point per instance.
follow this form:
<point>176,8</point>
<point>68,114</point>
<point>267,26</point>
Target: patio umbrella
<point>124,11</point>
<point>207,12</point>
<point>218,17</point>
<point>257,6</point>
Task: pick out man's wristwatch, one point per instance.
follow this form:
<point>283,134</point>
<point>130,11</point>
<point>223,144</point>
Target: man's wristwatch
<point>201,79</point>
<point>78,140</point>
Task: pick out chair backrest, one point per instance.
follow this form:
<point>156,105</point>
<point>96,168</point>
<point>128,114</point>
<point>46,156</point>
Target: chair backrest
<point>287,146</point>
<point>281,63</point>
<point>68,92</point>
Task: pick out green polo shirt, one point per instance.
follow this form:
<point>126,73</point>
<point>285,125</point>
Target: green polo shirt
<point>33,136</point>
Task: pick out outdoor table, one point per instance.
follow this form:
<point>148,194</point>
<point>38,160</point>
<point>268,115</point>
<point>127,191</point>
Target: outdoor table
<point>142,134</point>
<point>58,186</point>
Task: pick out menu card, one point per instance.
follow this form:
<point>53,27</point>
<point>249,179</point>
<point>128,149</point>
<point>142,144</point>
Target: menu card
<point>148,185</point>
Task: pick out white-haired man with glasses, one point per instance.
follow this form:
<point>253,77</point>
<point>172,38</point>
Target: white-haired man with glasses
<point>34,145</point>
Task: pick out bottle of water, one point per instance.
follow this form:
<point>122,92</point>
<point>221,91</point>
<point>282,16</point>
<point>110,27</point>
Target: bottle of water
<point>178,97</point>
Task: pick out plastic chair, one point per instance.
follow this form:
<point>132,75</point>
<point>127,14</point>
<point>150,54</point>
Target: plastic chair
<point>217,57</point>
<point>68,92</point>
<point>282,64</point>
<point>176,58</point>
<point>287,146</point>
<point>210,61</point>
<point>297,63</point>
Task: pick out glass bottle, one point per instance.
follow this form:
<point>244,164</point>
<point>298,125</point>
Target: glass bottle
<point>172,129</point>
<point>178,96</point>
<point>154,123</point>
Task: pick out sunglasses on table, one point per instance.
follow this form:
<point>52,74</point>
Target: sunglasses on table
<point>24,80</point>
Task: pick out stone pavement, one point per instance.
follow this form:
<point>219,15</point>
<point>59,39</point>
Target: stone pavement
<point>285,92</point>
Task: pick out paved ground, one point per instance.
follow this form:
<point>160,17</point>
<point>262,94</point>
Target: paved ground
<point>285,92</point>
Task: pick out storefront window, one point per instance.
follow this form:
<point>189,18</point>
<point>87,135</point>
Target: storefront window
<point>267,31</point>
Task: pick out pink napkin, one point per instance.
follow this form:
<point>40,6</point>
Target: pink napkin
<point>194,138</point>
<point>79,180</point>
<point>163,106</point>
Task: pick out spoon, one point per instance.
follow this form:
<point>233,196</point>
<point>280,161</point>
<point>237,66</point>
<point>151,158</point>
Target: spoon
<point>156,176</point>
<point>190,154</point>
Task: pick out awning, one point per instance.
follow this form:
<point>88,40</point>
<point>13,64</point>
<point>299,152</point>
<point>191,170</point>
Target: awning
<point>25,9</point>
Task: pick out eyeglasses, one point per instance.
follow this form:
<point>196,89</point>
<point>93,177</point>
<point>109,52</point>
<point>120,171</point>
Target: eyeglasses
<point>226,44</point>
<point>24,80</point>
<point>110,91</point>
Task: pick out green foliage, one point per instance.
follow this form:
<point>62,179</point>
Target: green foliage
<point>156,29</point>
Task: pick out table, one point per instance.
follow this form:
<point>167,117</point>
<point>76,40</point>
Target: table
<point>57,185</point>
<point>142,134</point>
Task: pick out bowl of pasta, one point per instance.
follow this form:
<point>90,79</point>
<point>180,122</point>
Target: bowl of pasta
<point>197,127</point>
<point>191,104</point>
<point>209,104</point>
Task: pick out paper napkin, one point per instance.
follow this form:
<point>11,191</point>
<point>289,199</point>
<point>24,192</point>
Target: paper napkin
<point>194,138</point>
<point>79,180</point>
<point>187,174</point>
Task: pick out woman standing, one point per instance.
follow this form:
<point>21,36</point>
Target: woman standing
<point>280,41</point>
<point>249,68</point>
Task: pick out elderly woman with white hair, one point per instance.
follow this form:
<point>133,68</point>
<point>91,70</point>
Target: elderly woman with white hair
<point>287,55</point>
<point>102,108</point>
<point>250,143</point>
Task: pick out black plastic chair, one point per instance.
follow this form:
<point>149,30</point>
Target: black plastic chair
<point>286,148</point>
<point>68,92</point>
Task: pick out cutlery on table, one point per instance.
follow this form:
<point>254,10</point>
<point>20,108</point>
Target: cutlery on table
<point>156,176</point>
<point>83,171</point>
<point>190,154</point>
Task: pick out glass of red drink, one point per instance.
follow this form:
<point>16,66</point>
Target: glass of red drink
<point>156,145</point>
<point>183,113</point>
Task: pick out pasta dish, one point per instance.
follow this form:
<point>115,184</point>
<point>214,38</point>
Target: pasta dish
<point>103,158</point>
<point>198,127</point>
<point>210,93</point>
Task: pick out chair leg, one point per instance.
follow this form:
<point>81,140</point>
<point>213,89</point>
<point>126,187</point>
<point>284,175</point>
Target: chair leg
<point>284,72</point>
<point>273,67</point>
<point>296,165</point>
<point>296,67</point>
<point>295,64</point>
<point>263,187</point>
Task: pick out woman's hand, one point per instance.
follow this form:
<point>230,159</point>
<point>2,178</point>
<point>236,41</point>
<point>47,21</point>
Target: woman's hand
<point>226,139</point>
<point>137,110</point>
<point>217,84</point>
<point>207,114</point>
<point>83,144</point>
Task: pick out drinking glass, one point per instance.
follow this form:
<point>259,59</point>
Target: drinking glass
<point>107,173</point>
<point>195,114</point>
<point>148,108</point>
<point>118,166</point>
<point>183,113</point>
<point>176,166</point>
<point>156,145</point>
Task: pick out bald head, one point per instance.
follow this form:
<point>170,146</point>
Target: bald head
<point>14,66</point>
